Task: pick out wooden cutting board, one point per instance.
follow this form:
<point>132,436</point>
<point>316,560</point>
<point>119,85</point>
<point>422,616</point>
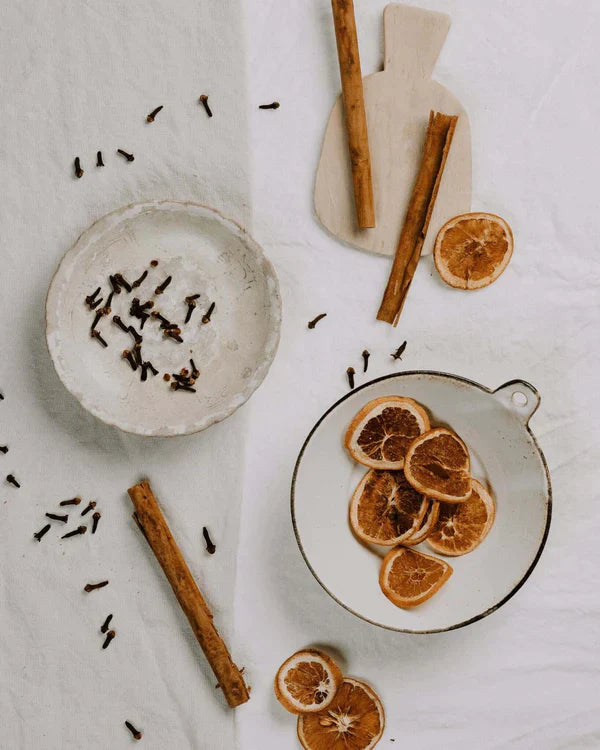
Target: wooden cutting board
<point>398,101</point>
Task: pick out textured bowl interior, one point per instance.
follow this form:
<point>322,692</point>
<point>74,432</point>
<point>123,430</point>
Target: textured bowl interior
<point>504,456</point>
<point>205,254</point>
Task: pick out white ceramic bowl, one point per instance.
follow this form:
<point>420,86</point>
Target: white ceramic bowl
<point>504,456</point>
<point>206,254</point>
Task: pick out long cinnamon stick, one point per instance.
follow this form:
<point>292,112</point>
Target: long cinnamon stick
<point>152,523</point>
<point>435,152</point>
<point>354,110</point>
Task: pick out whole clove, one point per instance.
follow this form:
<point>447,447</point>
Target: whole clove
<point>164,322</point>
<point>3,448</point>
<point>39,534</point>
<point>105,624</point>
<point>144,376</point>
<point>204,101</point>
<point>99,162</point>
<point>137,354</point>
<point>97,318</point>
<point>129,157</point>
<point>365,355</point>
<point>350,372</point>
<point>95,304</point>
<point>210,547</point>
<point>174,333</point>
<point>109,636</point>
<point>140,280</point>
<point>136,336</point>
<point>180,387</point>
<point>75,532</point>
<point>106,309</point>
<point>273,105</point>
<point>56,517</point>
<point>123,282</point>
<point>97,335</point>
<point>11,480</point>
<point>130,358</point>
<point>90,506</point>
<point>118,322</point>
<point>73,501</point>
<point>151,117</point>
<point>114,282</point>
<point>190,310</point>
<point>312,323</point>
<point>137,735</point>
<point>161,287</point>
<point>90,299</point>
<point>151,367</point>
<point>399,351</point>
<point>95,518</point>
<point>195,370</point>
<point>78,169</point>
<point>93,586</point>
<point>208,313</point>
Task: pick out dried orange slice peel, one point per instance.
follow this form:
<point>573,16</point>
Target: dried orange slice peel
<point>385,509</point>
<point>408,578</point>
<point>307,682</point>
<point>438,465</point>
<point>462,527</point>
<point>354,720</point>
<point>472,250</point>
<point>379,435</point>
<point>428,523</point>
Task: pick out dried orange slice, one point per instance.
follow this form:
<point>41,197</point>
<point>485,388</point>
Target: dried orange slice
<point>428,523</point>
<point>438,465</point>
<point>408,578</point>
<point>307,682</point>
<point>354,720</point>
<point>462,527</point>
<point>472,250</point>
<point>385,509</point>
<point>381,432</point>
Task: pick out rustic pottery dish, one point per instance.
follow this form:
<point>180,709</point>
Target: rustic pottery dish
<point>504,456</point>
<point>206,254</point>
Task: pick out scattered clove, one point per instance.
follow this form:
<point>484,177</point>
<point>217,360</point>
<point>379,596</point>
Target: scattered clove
<point>137,354</point>
<point>139,281</point>
<point>129,157</point>
<point>152,115</point>
<point>208,313</point>
<point>11,480</point>
<point>204,101</point>
<point>90,506</point>
<point>109,636</point>
<point>153,263</point>
<point>210,547</point>
<point>399,351</point>
<point>38,535</point>
<point>144,376</point>
<point>174,333</point>
<point>273,105</point>
<point>73,501</point>
<point>93,586</point>
<point>78,530</point>
<point>191,303</point>
<point>350,372</point>
<point>179,387</point>
<point>95,518</point>
<point>99,162</point>
<point>365,355</point>
<point>56,517</point>
<point>136,336</point>
<point>137,735</point>
<point>312,323</point>
<point>161,287</point>
<point>195,370</point>
<point>130,358</point>
<point>97,335</point>
<point>91,298</point>
<point>78,169</point>
<point>151,367</point>
<point>97,318</point>
<point>118,322</point>
<point>105,624</point>
<point>114,282</point>
<point>123,282</point>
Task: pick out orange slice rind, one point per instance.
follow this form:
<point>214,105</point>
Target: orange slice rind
<point>462,527</point>
<point>438,465</point>
<point>409,578</point>
<point>379,435</point>
<point>472,250</point>
<point>307,682</point>
<point>428,523</point>
<point>385,509</point>
<point>354,720</point>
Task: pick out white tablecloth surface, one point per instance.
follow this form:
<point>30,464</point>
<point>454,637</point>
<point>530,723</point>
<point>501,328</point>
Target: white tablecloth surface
<point>78,77</point>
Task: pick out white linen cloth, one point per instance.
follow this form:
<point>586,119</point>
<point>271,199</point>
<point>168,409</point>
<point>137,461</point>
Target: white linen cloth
<point>81,77</point>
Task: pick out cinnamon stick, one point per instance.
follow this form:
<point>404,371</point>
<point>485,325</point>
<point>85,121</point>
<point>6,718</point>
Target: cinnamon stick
<point>354,110</point>
<point>435,152</point>
<point>153,525</point>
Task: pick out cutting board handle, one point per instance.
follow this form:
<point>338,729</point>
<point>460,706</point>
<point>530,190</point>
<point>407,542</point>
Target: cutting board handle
<point>413,39</point>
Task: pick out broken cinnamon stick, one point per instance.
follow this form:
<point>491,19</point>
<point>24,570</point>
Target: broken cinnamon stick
<point>354,110</point>
<point>437,144</point>
<point>155,529</point>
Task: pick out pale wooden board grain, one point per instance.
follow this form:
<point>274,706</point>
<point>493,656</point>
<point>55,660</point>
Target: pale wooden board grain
<point>398,101</point>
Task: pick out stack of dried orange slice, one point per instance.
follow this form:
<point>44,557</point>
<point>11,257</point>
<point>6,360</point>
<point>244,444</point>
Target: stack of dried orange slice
<point>334,712</point>
<point>418,489</point>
